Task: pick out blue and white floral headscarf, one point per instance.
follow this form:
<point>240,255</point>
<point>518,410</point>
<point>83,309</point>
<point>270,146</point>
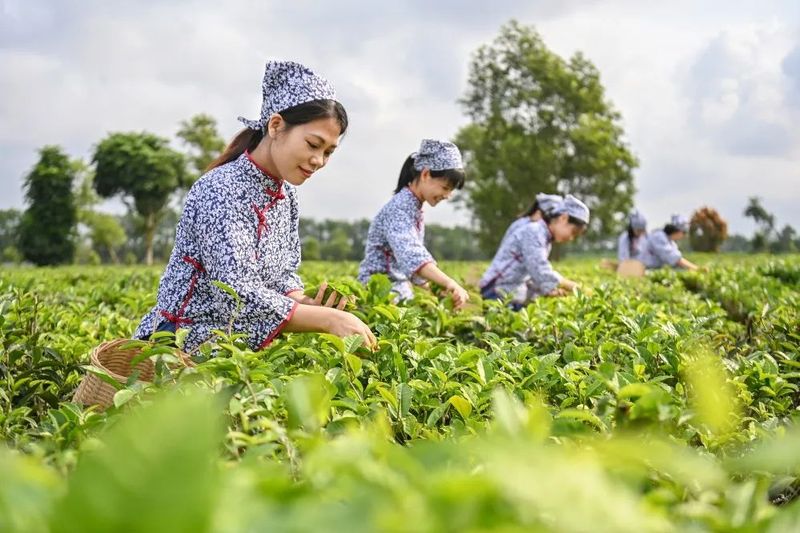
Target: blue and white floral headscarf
<point>548,202</point>
<point>574,208</point>
<point>287,84</point>
<point>637,221</point>
<point>437,155</point>
<point>680,222</point>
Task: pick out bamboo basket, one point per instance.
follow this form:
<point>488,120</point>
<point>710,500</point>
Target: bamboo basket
<point>115,359</point>
<point>631,268</point>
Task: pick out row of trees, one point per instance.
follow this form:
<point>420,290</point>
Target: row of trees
<point>106,238</point>
<point>337,240</point>
<point>142,169</point>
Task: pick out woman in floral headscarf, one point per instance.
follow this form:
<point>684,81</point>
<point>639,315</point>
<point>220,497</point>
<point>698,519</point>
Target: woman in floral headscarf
<point>521,269</point>
<point>395,242</point>
<point>662,249</point>
<point>240,224</point>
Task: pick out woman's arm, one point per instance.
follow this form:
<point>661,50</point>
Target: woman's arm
<point>433,273</point>
<point>313,318</point>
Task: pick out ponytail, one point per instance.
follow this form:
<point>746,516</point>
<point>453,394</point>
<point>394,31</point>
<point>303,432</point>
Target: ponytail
<point>531,210</point>
<point>246,139</point>
<point>408,174</point>
<point>631,237</point>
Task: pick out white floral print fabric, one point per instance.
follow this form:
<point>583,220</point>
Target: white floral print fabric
<point>396,244</point>
<point>287,84</point>
<point>521,264</point>
<point>437,155</point>
<point>660,250</point>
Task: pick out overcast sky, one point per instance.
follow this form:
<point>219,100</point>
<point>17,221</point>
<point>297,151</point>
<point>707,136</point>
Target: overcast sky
<point>709,91</point>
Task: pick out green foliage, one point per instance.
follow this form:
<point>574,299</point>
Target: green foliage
<point>766,236</point>
<point>47,225</point>
<point>141,167</point>
<point>657,404</point>
<point>9,228</point>
<point>339,240</point>
<point>540,123</point>
<point>199,133</point>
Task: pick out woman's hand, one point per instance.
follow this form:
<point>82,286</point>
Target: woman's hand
<point>558,292</point>
<point>318,318</point>
<point>331,301</point>
<point>568,285</point>
<point>460,296</point>
<point>343,324</point>
<point>432,273</point>
<point>299,297</point>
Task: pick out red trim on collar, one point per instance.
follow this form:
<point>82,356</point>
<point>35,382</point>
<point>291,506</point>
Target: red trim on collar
<point>263,170</point>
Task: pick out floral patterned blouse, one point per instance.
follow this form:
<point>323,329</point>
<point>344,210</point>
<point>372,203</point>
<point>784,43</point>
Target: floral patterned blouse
<point>240,227</point>
<point>521,264</point>
<point>660,250</point>
<point>395,244</point>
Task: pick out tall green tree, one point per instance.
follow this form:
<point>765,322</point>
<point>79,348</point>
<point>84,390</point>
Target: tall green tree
<point>540,123</point>
<point>46,231</point>
<point>765,223</point>
<point>145,171</point>
<point>9,234</point>
<point>785,241</point>
<point>199,133</point>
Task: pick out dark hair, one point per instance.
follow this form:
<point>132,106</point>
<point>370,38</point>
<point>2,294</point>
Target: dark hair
<point>549,217</point>
<point>531,210</point>
<point>631,237</point>
<point>577,222</point>
<point>408,174</point>
<point>669,229</point>
<point>304,113</point>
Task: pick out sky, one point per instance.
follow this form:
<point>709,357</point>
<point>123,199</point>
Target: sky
<point>709,92</point>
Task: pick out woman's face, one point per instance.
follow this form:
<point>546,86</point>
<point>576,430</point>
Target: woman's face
<point>678,235</point>
<point>433,190</point>
<point>563,230</point>
<point>299,151</point>
<point>639,232</point>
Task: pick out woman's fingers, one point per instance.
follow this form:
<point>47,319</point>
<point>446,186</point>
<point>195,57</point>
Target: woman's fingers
<point>331,301</point>
<point>320,293</point>
<point>342,303</point>
<point>372,342</point>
